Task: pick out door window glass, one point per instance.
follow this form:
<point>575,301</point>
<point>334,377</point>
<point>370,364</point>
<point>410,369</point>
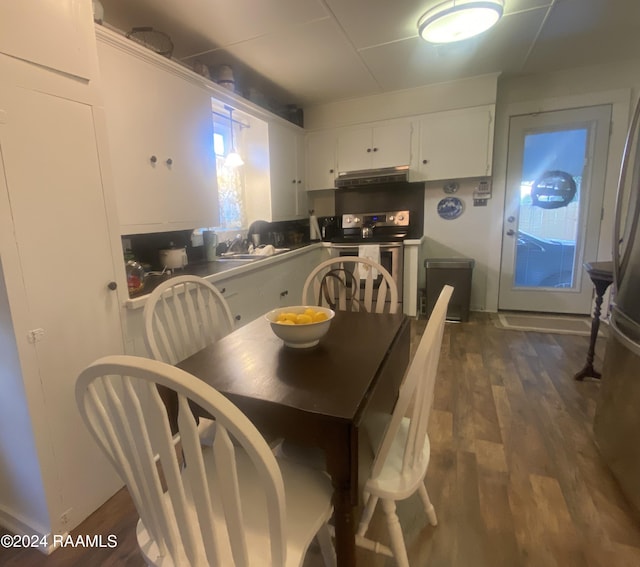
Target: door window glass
<point>549,212</point>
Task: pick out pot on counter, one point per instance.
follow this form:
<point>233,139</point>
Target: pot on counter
<point>173,258</point>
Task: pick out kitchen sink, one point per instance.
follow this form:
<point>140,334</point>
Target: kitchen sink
<point>241,256</point>
<point>238,259</point>
<point>245,256</point>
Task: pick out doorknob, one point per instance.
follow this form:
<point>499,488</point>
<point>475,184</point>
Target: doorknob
<point>510,232</point>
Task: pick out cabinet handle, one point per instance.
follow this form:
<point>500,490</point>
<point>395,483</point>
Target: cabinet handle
<point>238,317</point>
<point>153,159</point>
<point>299,180</point>
<point>223,290</point>
<point>331,171</point>
<point>368,150</point>
<point>293,181</point>
<point>112,286</point>
<point>425,161</point>
<point>169,161</point>
<point>375,149</point>
<point>284,293</point>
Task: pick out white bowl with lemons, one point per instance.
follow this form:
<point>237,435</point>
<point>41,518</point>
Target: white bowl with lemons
<point>300,326</point>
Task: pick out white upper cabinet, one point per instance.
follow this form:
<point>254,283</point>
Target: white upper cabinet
<point>54,35</point>
<point>286,166</point>
<point>161,142</point>
<point>321,160</point>
<point>455,144</point>
<point>383,145</point>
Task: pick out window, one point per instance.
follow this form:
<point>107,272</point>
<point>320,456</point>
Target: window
<point>230,180</point>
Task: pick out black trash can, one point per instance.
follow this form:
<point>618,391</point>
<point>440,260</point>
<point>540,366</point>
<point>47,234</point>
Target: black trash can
<point>456,272</point>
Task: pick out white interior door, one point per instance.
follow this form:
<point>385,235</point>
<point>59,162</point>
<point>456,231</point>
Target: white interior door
<point>555,186</point>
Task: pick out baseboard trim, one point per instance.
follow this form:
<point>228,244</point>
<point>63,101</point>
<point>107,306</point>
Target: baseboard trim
<point>17,525</point>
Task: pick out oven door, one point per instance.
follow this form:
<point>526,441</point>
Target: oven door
<point>391,257</point>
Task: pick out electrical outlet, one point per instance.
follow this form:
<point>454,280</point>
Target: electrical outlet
<point>480,202</point>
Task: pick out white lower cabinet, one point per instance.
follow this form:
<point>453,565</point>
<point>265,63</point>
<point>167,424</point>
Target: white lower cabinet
<point>243,296</point>
<point>277,284</point>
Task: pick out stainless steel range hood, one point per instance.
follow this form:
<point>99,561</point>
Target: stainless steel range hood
<point>367,177</point>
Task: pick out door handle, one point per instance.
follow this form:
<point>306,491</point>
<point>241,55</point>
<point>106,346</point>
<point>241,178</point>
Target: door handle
<point>510,232</point>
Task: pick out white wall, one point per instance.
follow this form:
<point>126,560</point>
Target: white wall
<point>617,85</point>
<point>476,91</point>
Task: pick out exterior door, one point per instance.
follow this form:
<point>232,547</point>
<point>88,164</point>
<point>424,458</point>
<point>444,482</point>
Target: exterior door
<point>555,186</point>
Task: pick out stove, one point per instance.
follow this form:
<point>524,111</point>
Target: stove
<point>388,226</point>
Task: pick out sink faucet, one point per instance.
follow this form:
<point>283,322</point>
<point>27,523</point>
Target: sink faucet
<point>239,244</point>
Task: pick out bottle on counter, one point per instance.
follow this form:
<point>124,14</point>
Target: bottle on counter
<point>135,276</point>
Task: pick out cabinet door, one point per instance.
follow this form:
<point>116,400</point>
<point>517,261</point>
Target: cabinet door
<point>58,35</point>
<point>383,145</point>
<point>354,149</point>
<point>321,160</point>
<point>456,144</point>
<point>391,144</point>
<point>191,179</point>
<point>243,296</point>
<point>283,172</point>
<point>161,141</point>
<point>62,235</point>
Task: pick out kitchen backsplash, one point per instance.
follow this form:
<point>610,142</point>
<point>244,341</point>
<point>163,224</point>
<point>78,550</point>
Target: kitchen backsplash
<point>145,248</point>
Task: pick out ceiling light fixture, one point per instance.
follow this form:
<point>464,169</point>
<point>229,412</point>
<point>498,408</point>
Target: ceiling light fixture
<point>455,20</point>
<point>233,158</point>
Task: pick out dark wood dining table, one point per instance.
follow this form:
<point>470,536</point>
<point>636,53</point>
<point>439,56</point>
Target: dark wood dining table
<point>317,397</point>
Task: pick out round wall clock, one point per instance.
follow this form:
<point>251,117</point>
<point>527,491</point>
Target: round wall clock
<point>450,208</point>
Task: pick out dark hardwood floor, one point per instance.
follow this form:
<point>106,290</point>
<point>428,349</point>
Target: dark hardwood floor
<point>515,475</point>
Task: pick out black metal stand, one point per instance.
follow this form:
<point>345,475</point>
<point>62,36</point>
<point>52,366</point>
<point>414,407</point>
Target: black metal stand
<point>601,274</point>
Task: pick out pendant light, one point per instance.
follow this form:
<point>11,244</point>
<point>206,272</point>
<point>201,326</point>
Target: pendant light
<point>233,158</point>
<point>455,20</point>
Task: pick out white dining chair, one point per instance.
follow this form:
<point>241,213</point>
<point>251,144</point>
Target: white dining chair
<point>339,283</point>
<point>401,444</point>
<point>230,504</point>
<point>183,315</point>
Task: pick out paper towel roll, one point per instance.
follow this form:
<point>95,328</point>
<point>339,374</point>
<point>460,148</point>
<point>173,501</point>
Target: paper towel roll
<point>314,228</point>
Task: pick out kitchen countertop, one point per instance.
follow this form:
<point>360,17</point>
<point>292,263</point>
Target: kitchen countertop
<point>216,271</point>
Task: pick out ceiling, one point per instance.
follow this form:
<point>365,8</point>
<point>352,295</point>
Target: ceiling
<point>309,52</point>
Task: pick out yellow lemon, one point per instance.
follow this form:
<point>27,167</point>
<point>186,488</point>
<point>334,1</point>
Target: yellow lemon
<point>291,317</point>
<point>303,319</point>
<point>281,317</point>
<point>309,311</point>
<point>286,322</point>
<point>319,316</point>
